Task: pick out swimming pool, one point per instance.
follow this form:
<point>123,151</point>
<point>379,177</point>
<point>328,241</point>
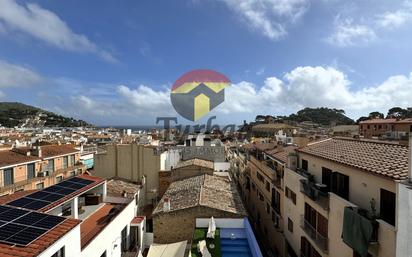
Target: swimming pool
<point>234,243</point>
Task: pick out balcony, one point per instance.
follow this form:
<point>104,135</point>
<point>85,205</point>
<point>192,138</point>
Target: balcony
<point>320,240</point>
<point>313,191</point>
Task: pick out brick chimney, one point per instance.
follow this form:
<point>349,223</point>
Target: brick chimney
<point>166,204</point>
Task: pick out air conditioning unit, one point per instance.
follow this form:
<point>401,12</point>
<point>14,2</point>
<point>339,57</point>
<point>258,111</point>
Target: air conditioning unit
<point>41,174</point>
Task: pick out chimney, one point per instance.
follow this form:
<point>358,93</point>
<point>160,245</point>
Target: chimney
<point>38,150</point>
<point>410,158</point>
<point>166,204</point>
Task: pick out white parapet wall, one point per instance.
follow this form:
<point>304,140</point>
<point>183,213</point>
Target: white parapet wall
<point>220,223</point>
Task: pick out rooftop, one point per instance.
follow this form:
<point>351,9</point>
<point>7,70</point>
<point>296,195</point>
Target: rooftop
<point>386,121</point>
<point>9,157</point>
<point>118,186</point>
<point>281,154</point>
<point>196,162</point>
<point>204,190</point>
<point>56,150</point>
<point>377,157</point>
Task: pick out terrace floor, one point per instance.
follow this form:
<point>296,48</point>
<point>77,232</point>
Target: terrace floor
<point>199,235</point>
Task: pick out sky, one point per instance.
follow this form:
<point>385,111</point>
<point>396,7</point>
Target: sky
<point>114,62</point>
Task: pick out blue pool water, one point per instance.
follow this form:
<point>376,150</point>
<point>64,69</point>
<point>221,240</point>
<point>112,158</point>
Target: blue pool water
<point>237,247</point>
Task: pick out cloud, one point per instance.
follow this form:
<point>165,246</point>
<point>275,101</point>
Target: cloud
<point>46,26</point>
<point>270,17</point>
<point>346,33</point>
<point>316,87</point>
<point>395,19</point>
<point>16,76</point>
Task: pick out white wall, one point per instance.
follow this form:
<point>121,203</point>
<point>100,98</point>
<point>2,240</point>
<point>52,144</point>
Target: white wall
<point>404,221</point>
<point>110,235</point>
<point>70,241</point>
<point>220,223</point>
<point>221,166</point>
<point>169,159</point>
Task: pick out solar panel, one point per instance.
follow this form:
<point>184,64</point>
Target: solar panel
<point>66,191</point>
<point>21,227</point>
<point>21,202</point>
<point>31,218</point>
<point>26,236</point>
<point>9,230</point>
<point>81,181</point>
<point>36,205</point>
<point>49,222</point>
<point>52,197</point>
<point>12,214</point>
<point>38,195</point>
<point>52,189</point>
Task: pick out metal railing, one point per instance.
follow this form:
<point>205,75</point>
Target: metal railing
<point>320,240</point>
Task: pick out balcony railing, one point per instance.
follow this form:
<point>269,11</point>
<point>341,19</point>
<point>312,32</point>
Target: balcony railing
<point>311,190</point>
<point>320,240</point>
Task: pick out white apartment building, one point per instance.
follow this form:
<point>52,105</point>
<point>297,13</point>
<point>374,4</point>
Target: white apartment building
<point>76,217</point>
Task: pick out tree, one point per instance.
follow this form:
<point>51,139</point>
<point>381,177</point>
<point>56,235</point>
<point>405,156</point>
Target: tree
<point>363,118</point>
<point>376,115</point>
<point>397,113</point>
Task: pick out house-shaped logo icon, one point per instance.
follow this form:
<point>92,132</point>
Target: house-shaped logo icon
<point>198,92</point>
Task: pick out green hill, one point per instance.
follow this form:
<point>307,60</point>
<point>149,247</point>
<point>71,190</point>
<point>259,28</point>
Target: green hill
<point>17,114</point>
<point>323,116</point>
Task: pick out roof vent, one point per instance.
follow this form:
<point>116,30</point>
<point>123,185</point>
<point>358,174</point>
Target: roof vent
<point>166,204</point>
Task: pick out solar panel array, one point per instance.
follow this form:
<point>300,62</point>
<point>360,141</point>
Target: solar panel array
<point>21,227</point>
<point>49,195</point>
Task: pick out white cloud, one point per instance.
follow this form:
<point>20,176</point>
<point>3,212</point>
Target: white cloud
<point>45,25</point>
<point>346,33</point>
<point>270,17</point>
<point>395,19</point>
<point>15,76</point>
<point>316,87</point>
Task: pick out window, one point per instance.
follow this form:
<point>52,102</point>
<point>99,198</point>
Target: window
<point>290,225</point>
<point>59,179</point>
<point>50,165</point>
<point>388,206</point>
<point>267,186</point>
<point>327,178</point>
<point>305,165</point>
<point>253,186</point>
<point>268,208</point>
<point>59,253</point>
<point>72,160</point>
<point>340,185</point>
<point>8,175</point>
<point>65,162</point>
<point>40,185</point>
<point>260,177</point>
<point>124,239</point>
<point>316,221</point>
<point>291,195</point>
<point>30,171</point>
<point>276,200</point>
<point>261,197</point>
<point>307,249</point>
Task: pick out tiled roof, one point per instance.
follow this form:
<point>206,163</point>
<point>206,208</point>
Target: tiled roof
<point>11,197</point>
<point>9,157</point>
<point>195,162</point>
<point>56,150</point>
<point>204,190</point>
<point>281,154</point>
<point>40,244</point>
<point>380,158</point>
<point>386,121</point>
<point>117,186</point>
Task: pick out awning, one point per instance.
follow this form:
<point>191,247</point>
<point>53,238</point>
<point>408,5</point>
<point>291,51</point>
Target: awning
<point>168,250</point>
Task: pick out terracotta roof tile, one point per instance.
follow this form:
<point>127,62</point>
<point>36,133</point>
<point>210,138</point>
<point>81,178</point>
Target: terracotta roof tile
<point>10,157</point>
<point>11,197</point>
<point>380,158</point>
<point>56,150</point>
